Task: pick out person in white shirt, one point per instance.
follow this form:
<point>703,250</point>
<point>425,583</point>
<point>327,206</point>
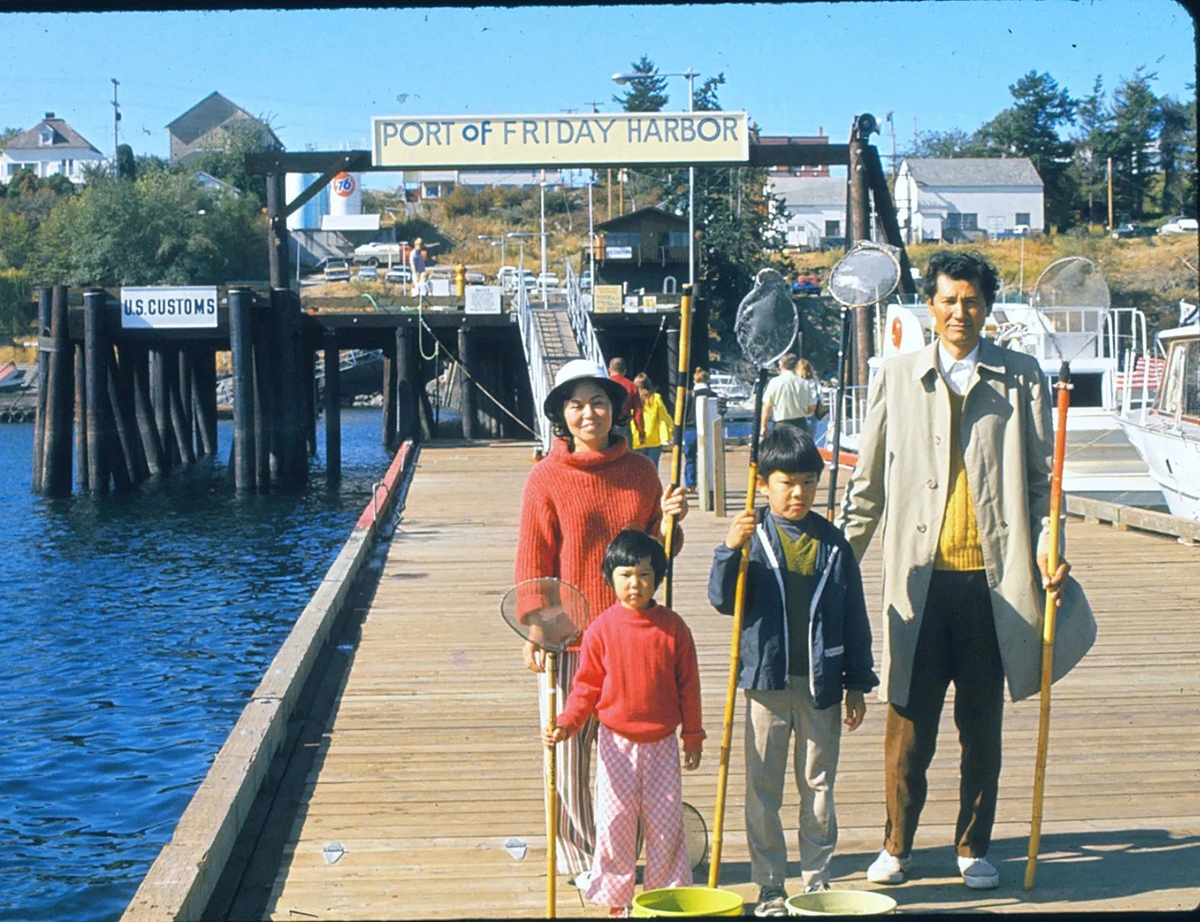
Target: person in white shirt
<point>787,397</point>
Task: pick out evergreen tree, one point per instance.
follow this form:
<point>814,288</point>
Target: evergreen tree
<point>1029,128</point>
<point>1137,118</point>
<point>648,94</point>
<point>1093,140</point>
<point>1177,133</point>
<point>946,144</point>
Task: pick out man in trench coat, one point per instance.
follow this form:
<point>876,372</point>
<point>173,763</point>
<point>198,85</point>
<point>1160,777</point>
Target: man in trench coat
<point>954,462</point>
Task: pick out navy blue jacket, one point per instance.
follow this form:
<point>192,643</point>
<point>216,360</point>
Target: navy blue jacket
<point>839,636</point>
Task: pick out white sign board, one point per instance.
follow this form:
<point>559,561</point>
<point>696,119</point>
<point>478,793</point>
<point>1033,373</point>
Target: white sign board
<point>618,252</point>
<point>631,304</point>
<point>483,299</point>
<point>561,140</point>
<point>439,288</point>
<point>163,308</point>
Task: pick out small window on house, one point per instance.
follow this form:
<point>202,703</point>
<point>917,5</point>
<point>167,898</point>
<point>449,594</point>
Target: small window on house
<point>953,221</point>
<point>970,222</point>
<point>833,228</point>
<point>678,239</point>
<point>624,239</point>
<point>431,191</point>
<point>46,136</point>
<point>1022,218</point>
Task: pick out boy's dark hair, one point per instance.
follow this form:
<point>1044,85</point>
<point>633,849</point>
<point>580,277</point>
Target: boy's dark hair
<point>629,548</point>
<point>962,266</point>
<point>791,450</point>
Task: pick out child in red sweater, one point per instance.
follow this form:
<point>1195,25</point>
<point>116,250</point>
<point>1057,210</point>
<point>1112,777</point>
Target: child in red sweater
<point>638,673</point>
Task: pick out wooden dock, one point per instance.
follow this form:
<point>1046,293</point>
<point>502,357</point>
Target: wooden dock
<point>428,762</point>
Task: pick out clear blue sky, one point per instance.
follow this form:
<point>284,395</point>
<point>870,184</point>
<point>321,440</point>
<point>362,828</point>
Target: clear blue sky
<point>795,68</point>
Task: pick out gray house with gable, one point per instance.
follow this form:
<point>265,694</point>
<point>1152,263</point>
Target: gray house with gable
<point>49,148</point>
<point>968,198</point>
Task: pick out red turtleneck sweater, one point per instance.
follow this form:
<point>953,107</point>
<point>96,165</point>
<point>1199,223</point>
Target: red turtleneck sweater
<point>574,504</point>
<point>638,672</point>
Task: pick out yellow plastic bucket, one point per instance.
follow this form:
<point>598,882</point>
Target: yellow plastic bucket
<point>681,902</point>
<point>841,903</point>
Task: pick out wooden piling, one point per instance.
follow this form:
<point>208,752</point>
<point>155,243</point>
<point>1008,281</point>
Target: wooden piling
<point>180,425</point>
<point>262,404</point>
<point>389,395</point>
<point>81,454</point>
<point>156,464</point>
<point>60,399</point>
<point>43,361</point>
<point>289,422</point>
<point>241,302</point>
<point>333,408</point>
<point>204,399</point>
<point>96,370</point>
<point>128,464</point>
<point>408,373</point>
<point>308,386</point>
<point>467,394</point>
<point>160,399</point>
<point>184,383</point>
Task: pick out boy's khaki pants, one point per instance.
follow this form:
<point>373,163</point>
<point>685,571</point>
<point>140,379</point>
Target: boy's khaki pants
<point>773,720</point>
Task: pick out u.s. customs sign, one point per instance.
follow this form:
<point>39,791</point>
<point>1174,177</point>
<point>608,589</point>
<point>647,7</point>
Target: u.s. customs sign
<point>168,308</point>
<point>560,140</point>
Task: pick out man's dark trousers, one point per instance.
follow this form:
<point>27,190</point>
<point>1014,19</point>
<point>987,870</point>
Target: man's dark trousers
<point>957,643</point>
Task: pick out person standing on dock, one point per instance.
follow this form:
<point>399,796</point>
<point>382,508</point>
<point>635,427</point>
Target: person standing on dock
<point>656,421</point>
<point>631,409</point>
<point>786,397</point>
<point>954,461</point>
<point>416,261</point>
<point>588,489</point>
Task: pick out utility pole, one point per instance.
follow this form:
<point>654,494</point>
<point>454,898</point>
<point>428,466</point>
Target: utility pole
<point>116,122</point>
<point>1110,201</point>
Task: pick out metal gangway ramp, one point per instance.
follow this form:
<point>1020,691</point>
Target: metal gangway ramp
<point>554,333</point>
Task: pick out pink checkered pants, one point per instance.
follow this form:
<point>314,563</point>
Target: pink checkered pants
<point>632,780</point>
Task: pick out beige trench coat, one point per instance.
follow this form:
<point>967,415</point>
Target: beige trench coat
<point>901,481</point>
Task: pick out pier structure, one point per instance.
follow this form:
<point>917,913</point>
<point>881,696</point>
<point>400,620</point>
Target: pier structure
<point>413,787</point>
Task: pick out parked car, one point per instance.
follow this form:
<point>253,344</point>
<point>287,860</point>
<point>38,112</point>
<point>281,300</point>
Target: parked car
<point>806,285</point>
<point>1180,225</point>
<point>399,274</point>
<point>375,253</point>
<point>550,280</point>
<point>1127,229</point>
<point>368,273</point>
<point>475,277</point>
<point>337,270</point>
<point>585,280</point>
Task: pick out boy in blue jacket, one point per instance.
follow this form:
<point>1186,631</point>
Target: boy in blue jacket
<point>805,640</point>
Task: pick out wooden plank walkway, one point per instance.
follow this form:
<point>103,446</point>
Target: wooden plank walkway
<point>430,761</point>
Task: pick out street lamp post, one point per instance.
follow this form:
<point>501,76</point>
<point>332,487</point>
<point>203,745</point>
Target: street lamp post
<point>519,236</point>
<point>494,238</point>
<point>690,75</point>
<point>545,298</point>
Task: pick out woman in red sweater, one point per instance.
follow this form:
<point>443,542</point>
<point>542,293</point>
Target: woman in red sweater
<point>639,675</point>
<point>576,500</point>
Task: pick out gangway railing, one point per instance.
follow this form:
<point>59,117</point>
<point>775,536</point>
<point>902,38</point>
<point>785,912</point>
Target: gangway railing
<point>581,320</point>
<point>535,359</point>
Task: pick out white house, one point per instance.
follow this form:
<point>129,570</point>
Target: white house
<point>814,209</point>
<point>964,198</point>
<point>50,147</point>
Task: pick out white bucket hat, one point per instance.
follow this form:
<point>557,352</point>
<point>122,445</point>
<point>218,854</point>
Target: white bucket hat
<point>578,370</point>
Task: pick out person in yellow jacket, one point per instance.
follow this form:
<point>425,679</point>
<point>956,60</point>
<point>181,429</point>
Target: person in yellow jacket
<point>658,424</point>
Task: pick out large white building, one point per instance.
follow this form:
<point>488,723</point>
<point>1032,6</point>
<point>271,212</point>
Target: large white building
<point>49,148</point>
<point>966,198</point>
<point>814,208</point>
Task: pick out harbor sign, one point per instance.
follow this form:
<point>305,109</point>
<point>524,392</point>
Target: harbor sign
<point>162,307</point>
<point>451,141</point>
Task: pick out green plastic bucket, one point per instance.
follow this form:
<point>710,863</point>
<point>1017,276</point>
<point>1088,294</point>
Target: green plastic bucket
<point>681,902</point>
<point>841,903</point>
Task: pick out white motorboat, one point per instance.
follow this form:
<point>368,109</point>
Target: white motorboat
<point>1166,432</point>
<point>1101,462</point>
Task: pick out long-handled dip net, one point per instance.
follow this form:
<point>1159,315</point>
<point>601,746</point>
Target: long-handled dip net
<point>1071,300</point>
<point>685,358</point>
<point>766,327</point>
<point>550,614</point>
<point>866,275</point>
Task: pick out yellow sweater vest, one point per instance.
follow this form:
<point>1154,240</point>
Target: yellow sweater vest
<point>958,544</point>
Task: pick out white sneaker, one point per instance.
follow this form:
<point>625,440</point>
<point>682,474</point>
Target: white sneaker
<point>978,873</point>
<point>888,869</point>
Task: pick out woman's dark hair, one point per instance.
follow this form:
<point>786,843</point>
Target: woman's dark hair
<point>631,547</point>
<point>962,266</point>
<point>558,424</point>
<point>791,450</point>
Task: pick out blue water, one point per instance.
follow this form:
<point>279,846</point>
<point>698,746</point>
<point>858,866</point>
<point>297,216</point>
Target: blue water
<point>134,631</point>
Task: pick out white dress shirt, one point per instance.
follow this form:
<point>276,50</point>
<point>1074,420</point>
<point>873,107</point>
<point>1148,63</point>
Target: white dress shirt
<point>957,372</point>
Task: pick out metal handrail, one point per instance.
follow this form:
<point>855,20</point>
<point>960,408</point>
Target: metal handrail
<point>581,321</point>
<point>535,360</point>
